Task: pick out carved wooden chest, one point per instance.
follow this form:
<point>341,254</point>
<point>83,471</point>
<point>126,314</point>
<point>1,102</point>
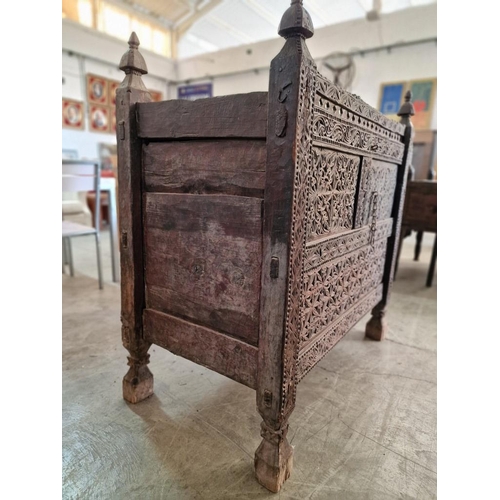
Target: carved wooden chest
<point>256,229</point>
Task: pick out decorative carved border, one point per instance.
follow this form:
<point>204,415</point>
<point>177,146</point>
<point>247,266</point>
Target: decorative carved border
<point>320,346</point>
<point>324,105</point>
<point>328,129</point>
<point>293,321</point>
<point>317,253</point>
<point>355,104</point>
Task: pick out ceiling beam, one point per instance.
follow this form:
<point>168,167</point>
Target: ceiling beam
<point>185,23</point>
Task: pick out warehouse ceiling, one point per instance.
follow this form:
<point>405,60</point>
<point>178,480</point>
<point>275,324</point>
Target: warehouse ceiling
<point>209,25</point>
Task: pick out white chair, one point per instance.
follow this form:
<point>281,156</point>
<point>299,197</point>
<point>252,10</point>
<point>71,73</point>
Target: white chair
<point>79,176</point>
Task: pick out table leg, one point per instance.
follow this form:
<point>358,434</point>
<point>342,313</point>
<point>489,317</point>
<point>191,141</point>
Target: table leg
<point>113,234</point>
<point>418,244</point>
<point>430,275</point>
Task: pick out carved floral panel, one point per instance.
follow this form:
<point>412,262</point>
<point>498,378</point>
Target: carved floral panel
<point>332,191</point>
<point>376,177</point>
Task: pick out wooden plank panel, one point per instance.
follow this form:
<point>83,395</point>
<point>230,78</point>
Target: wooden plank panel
<point>239,115</point>
<point>420,209</point>
<point>234,167</point>
<point>203,260</point>
<point>225,355</point>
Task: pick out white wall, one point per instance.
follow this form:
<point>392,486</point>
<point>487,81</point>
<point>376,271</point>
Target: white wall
<point>248,65</point>
<point>249,72</point>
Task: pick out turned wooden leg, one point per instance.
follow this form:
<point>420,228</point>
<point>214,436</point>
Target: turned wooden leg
<point>418,245</point>
<point>376,328</point>
<point>138,382</point>
<point>273,458</point>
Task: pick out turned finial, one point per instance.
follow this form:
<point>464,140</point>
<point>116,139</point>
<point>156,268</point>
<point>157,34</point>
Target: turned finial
<point>296,21</point>
<point>132,61</point>
<point>407,109</point>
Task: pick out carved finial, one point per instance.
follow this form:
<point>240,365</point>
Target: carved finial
<point>132,61</point>
<point>407,108</point>
<point>296,21</point>
<point>133,41</point>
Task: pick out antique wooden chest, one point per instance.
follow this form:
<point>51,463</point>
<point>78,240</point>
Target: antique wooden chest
<point>256,229</point>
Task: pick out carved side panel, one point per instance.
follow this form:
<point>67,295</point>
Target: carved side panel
<point>332,190</point>
<point>351,185</point>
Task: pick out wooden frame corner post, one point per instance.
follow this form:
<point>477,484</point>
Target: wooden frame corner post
<point>138,382</point>
<point>376,328</point>
<point>290,103</point>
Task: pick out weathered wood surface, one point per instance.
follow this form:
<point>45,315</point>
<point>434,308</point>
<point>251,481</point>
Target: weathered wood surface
<point>376,328</point>
<point>138,382</point>
<point>288,151</point>
<point>221,353</point>
<point>235,167</point>
<point>203,260</point>
<point>237,116</point>
<point>420,209</point>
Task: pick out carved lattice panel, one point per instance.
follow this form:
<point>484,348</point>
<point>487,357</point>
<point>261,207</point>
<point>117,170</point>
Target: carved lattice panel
<point>334,287</point>
<point>332,191</point>
<point>376,177</point>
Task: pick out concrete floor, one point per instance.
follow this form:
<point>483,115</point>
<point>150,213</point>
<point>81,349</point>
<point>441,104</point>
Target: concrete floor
<point>364,426</point>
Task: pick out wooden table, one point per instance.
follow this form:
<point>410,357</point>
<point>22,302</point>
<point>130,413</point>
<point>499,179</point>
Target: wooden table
<point>420,214</point>
<point>108,184</point>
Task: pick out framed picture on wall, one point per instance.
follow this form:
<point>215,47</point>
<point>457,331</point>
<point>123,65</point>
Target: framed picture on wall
<point>97,90</point>
<point>390,98</point>
<point>423,95</point>
<point>99,118</point>
<point>72,114</point>
<point>112,86</point>
<point>156,96</point>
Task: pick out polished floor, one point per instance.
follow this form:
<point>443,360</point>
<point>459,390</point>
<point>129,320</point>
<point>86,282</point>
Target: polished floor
<point>364,426</point>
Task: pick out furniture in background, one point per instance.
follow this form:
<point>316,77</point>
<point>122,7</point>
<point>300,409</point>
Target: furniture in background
<point>108,189</point>
<point>80,176</point>
<point>422,168</point>
<point>108,157</point>
<point>104,213</point>
<point>420,214</point>
<point>424,155</point>
<point>256,229</point>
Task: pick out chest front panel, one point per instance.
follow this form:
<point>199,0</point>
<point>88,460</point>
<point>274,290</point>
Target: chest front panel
<point>351,185</point>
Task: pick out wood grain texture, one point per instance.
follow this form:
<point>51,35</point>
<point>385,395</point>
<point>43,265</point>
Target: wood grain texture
<point>138,382</point>
<point>228,356</point>
<point>278,201</point>
<point>240,115</point>
<point>203,260</point>
<point>420,209</point>
<point>235,167</point>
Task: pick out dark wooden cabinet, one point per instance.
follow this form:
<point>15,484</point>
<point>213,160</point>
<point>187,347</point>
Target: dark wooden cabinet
<point>424,155</point>
<point>420,214</point>
<point>256,229</point>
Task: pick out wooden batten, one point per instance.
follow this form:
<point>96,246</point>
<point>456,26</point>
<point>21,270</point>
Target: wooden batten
<point>219,166</point>
<point>234,116</point>
<point>225,355</point>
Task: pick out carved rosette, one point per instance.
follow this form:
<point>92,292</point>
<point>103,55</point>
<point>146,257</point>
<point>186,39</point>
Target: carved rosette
<point>303,162</point>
